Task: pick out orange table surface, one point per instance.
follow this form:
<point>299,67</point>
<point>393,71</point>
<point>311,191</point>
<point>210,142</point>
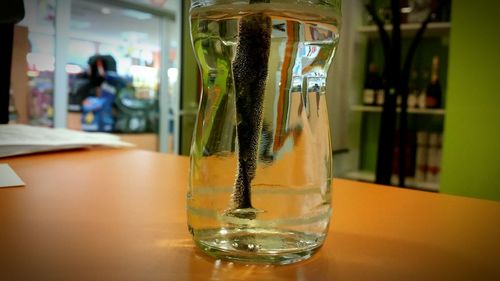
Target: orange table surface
<point>120,215</point>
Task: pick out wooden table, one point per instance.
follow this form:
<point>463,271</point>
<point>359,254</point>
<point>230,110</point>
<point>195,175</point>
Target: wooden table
<point>120,215</point>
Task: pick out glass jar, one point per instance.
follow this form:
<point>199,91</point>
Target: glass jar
<point>261,157</point>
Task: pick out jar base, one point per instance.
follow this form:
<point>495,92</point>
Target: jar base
<point>258,245</point>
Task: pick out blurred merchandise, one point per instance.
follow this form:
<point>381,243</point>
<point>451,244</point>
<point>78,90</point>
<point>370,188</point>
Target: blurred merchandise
<point>413,90</point>
<point>428,157</point>
<point>385,14</point>
<point>422,97</point>
<point>373,86</point>
<point>380,96</point>
<point>421,156</point>
<point>41,109</point>
<point>405,10</point>
<point>409,154</point>
<point>80,89</point>
<point>434,93</point>
<point>419,10</point>
<point>434,158</point>
<point>12,108</point>
<point>136,115</point>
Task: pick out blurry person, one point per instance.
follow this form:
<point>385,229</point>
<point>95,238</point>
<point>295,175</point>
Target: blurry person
<point>97,109</point>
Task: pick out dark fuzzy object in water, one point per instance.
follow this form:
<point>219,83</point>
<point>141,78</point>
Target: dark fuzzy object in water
<point>250,74</point>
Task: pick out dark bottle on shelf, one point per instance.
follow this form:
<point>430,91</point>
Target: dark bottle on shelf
<point>379,90</point>
<point>385,14</point>
<point>434,158</point>
<point>405,10</point>
<point>373,85</point>
<point>421,155</point>
<point>413,90</point>
<point>433,95</point>
<point>419,9</point>
<point>421,100</point>
<point>445,10</point>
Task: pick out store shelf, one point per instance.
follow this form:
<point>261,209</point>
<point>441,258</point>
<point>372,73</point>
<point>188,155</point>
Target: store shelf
<point>434,29</point>
<point>367,176</point>
<point>372,108</point>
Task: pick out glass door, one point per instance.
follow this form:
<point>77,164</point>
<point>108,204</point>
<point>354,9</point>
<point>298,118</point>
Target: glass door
<point>100,66</point>
<point>113,66</point>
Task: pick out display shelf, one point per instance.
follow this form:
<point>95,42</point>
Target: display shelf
<point>368,176</point>
<point>373,108</point>
<point>365,48</point>
<point>434,29</point>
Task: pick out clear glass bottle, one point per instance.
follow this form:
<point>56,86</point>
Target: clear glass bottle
<point>261,157</point>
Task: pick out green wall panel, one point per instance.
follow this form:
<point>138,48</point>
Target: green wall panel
<point>189,84</point>
<point>471,153</point>
<point>369,141</point>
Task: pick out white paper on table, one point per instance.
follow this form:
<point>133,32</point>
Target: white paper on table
<point>9,178</point>
<point>24,139</point>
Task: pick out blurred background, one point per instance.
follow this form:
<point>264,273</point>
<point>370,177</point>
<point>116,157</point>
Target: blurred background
<point>127,67</point>
<point>70,46</point>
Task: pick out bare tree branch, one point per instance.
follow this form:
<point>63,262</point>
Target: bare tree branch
<point>384,36</point>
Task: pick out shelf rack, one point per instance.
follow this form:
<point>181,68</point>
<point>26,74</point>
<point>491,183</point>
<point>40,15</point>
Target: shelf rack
<point>368,176</point>
<point>434,29</point>
<point>373,108</point>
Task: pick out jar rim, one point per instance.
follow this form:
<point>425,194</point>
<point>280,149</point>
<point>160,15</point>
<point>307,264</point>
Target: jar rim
<point>205,3</point>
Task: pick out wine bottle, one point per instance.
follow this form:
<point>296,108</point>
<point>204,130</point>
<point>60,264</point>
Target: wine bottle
<point>433,97</point>
<point>419,9</point>
<point>370,88</point>
<point>379,89</point>
<point>434,158</point>
<point>421,156</point>
<point>445,10</point>
<point>413,90</point>
<point>423,89</point>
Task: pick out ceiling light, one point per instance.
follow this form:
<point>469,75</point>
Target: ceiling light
<point>137,15</point>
